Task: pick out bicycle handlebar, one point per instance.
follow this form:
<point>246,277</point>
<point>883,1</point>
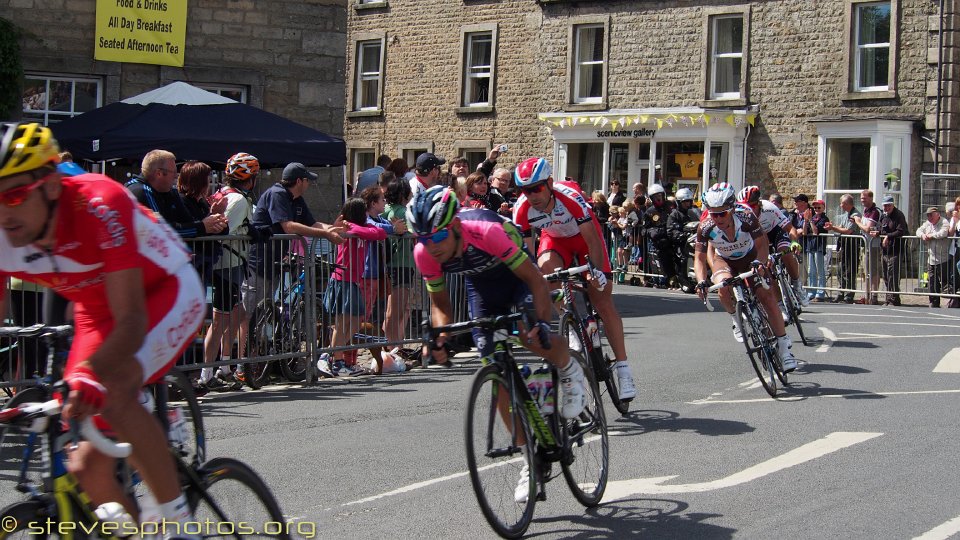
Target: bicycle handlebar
<point>561,275</point>
<point>739,278</point>
<point>38,413</point>
<point>36,330</point>
<point>488,323</point>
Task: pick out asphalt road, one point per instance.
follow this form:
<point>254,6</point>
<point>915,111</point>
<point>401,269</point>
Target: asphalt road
<point>863,444</point>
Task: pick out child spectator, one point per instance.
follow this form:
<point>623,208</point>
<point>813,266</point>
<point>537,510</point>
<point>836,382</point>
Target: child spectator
<point>400,267</point>
<point>343,298</point>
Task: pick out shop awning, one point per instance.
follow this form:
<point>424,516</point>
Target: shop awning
<point>670,117</point>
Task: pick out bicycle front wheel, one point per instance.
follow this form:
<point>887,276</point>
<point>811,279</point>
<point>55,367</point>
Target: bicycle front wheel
<point>755,342</point>
<point>500,453</point>
<point>587,464</point>
<point>793,306</point>
<point>190,441</point>
<point>232,501</point>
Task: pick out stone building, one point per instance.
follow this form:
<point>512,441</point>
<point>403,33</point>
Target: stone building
<point>797,96</point>
<point>284,56</point>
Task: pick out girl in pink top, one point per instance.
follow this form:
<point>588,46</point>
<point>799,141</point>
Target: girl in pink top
<point>343,298</point>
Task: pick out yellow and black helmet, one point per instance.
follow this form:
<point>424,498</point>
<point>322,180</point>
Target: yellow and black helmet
<point>26,147</point>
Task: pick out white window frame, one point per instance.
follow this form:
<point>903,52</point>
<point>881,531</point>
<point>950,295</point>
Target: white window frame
<point>714,56</point>
<point>355,160</point>
<point>61,115</point>
<point>361,76</point>
<point>858,48</point>
<point>578,32</point>
<point>473,73</point>
<point>219,90</point>
<point>880,133</point>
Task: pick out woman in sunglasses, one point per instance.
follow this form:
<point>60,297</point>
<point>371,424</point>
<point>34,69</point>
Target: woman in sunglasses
<point>138,301</point>
<point>570,233</point>
<point>729,240</point>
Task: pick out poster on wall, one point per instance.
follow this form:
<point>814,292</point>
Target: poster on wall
<point>141,31</point>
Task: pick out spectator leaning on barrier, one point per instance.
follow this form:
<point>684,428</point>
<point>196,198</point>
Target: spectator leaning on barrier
<point>848,249</point>
<point>343,298</point>
<point>230,320</point>
<point>193,184</point>
<point>376,285</point>
<point>154,189</point>
<point>817,249</point>
<point>934,233</point>
<point>400,267</point>
<point>893,227</point>
<point>869,224</point>
<point>953,213</point>
<point>280,210</point>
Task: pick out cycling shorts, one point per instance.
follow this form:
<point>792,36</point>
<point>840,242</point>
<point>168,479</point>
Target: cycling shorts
<point>489,298</point>
<point>779,239</point>
<point>573,250</point>
<point>175,308</point>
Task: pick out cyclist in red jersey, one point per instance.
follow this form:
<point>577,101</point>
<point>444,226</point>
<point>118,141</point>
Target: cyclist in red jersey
<point>569,232</point>
<point>138,302</point>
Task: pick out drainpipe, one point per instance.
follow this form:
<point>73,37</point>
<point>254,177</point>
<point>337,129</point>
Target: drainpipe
<point>936,135</point>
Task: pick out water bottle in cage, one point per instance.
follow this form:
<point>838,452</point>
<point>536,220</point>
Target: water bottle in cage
<point>544,380</point>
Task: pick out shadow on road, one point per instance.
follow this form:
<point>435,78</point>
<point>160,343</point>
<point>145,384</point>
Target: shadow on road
<point>640,518</point>
<point>658,420</point>
<point>809,390</point>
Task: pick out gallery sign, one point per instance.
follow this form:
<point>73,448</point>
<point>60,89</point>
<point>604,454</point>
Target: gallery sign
<point>141,31</point>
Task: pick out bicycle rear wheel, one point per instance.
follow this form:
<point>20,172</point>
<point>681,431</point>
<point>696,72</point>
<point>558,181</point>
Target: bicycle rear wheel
<point>496,456</point>
<point>192,448</point>
<point>263,333</point>
<point>603,364</point>
<point>587,465</point>
<point>755,343</point>
<point>234,502</point>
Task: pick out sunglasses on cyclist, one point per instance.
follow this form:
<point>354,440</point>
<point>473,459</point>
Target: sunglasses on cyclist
<point>16,196</point>
<point>534,189</point>
<point>720,213</point>
<point>434,238</point>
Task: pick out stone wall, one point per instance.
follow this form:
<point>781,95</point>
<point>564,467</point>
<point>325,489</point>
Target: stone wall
<point>796,72</point>
<point>288,53</point>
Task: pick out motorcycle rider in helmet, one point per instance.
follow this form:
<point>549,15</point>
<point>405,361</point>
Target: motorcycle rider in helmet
<point>655,230</point>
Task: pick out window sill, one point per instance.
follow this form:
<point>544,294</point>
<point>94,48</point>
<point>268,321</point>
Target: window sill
<point>722,103</point>
<point>364,114</point>
<point>475,110</point>
<point>575,107</point>
<point>860,96</point>
<point>370,5</point>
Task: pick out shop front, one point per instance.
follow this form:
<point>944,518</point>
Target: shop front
<point>677,148</point>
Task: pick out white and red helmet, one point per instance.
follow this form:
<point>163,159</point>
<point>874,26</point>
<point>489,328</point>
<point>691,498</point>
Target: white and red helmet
<point>532,171</point>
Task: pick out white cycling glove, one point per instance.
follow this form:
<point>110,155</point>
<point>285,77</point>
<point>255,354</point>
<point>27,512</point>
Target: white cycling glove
<point>599,278</point>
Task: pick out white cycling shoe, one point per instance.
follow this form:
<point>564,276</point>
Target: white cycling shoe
<point>573,398</point>
<point>737,334</point>
<point>522,493</point>
<point>628,390</point>
<point>801,294</point>
<point>787,359</point>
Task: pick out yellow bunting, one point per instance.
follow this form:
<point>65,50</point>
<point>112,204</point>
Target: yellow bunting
<point>706,119</point>
<point>659,123</point>
<point>731,121</point>
<point>574,120</point>
<point>752,118</point>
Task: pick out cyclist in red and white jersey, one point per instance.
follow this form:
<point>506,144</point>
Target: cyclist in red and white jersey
<point>729,240</point>
<point>138,301</point>
<point>569,232</point>
<point>780,233</point>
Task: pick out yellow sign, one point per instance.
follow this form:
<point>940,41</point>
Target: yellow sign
<point>141,31</point>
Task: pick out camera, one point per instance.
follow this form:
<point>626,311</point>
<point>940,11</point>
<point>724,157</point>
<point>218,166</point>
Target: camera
<point>502,149</point>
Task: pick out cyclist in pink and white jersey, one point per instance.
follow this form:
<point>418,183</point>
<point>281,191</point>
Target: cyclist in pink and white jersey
<point>569,232</point>
<point>138,302</point>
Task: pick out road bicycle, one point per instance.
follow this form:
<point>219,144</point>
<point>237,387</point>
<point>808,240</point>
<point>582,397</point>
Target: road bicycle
<point>225,495</point>
<point>278,326</point>
<point>507,435</point>
<point>587,334</point>
<point>789,295</point>
<point>752,321</point>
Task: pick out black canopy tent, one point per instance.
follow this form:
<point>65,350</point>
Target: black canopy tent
<point>209,132</point>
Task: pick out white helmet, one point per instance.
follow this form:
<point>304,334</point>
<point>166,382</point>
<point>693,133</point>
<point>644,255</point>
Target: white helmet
<point>654,189</point>
<point>719,195</point>
<point>684,194</point>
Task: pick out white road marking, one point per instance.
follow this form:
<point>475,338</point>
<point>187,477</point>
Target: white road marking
<point>898,323</point>
<point>936,316</point>
<point>653,486</point>
<point>828,338</point>
<point>798,398</point>
<point>950,363</point>
<point>852,335</point>
<point>942,531</point>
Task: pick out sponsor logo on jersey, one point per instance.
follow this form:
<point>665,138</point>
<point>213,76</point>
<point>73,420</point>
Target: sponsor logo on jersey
<point>111,219</point>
